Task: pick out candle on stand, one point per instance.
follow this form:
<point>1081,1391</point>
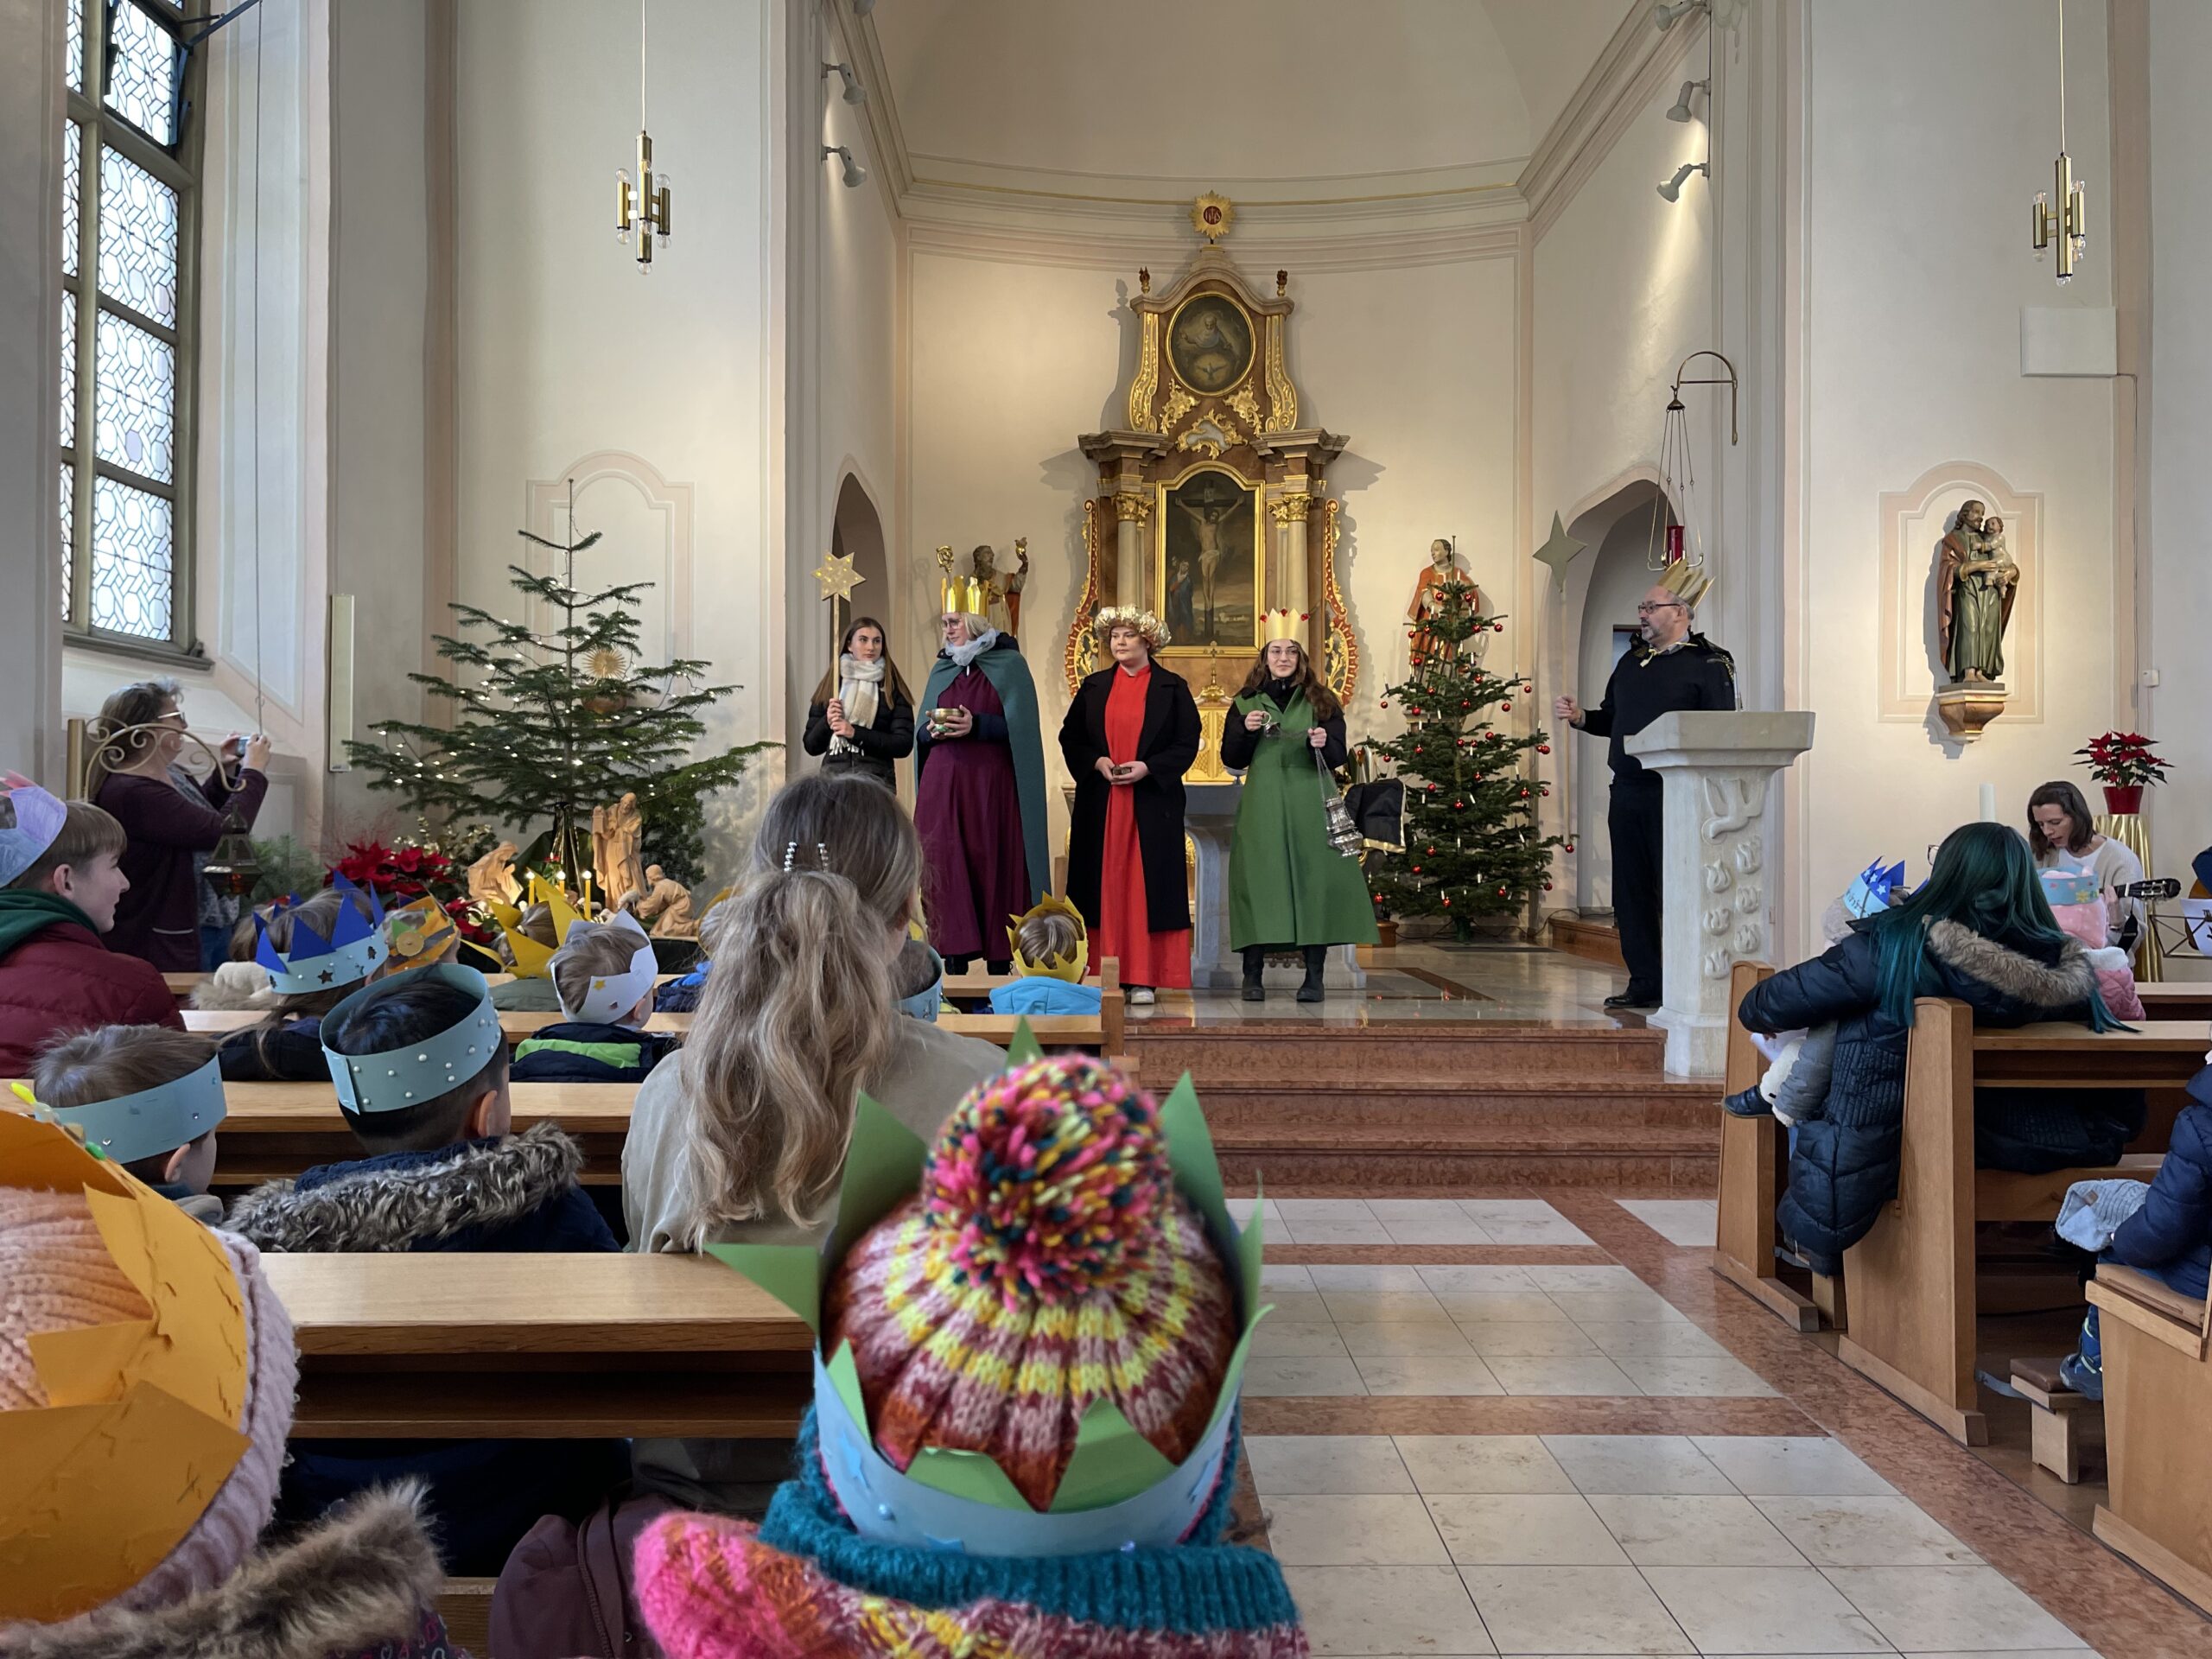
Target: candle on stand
<point>1989,803</point>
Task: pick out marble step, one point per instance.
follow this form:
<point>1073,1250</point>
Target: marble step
<point>1417,1052</point>
<point>1358,1161</point>
<point>1543,1104</point>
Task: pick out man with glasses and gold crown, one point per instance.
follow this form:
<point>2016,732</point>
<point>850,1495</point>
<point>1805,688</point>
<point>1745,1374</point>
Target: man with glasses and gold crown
<point>1672,666</point>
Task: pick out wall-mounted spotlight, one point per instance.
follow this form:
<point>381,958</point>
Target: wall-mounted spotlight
<point>1665,16</point>
<point>1672,190</point>
<point>854,92</point>
<point>1682,109</point>
<point>855,175</point>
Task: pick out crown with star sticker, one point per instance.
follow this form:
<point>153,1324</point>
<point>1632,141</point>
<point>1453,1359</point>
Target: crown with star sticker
<point>311,963</point>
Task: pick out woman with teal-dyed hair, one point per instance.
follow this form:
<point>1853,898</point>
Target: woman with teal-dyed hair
<point>1979,930</point>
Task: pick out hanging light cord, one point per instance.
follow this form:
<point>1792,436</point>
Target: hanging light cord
<point>641,66</point>
<point>2062,83</point>
<point>259,723</point>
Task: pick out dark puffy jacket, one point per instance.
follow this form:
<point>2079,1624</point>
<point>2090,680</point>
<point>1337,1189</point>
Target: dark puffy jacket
<point>581,1050</point>
<point>60,979</point>
<point>291,1054</point>
<point>2172,1232</point>
<point>1843,1165</point>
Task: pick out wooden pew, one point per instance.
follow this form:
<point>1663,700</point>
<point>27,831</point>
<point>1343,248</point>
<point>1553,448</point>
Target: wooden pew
<point>1754,1173</point>
<point>452,1346</point>
<point>2158,1369</point>
<point>975,986</point>
<point>1911,1280</point>
<point>2177,999</point>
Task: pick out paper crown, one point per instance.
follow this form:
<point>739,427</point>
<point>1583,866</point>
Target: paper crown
<point>1071,967</point>
<point>1283,625</point>
<point>1118,1490</point>
<point>2069,884</point>
<point>1870,890</point>
<point>416,935</point>
<point>351,954</point>
<point>30,818</point>
<point>1688,582</point>
<point>153,1121</point>
<point>143,1419</point>
<point>531,959</point>
<point>395,1079</point>
<point>1149,627</point>
<point>613,995</point>
<point>964,596</point>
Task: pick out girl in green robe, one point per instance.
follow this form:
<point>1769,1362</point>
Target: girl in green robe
<point>1287,885</point>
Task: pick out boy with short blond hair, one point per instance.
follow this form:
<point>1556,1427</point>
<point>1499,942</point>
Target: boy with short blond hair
<point>59,880</point>
<point>604,973</point>
<point>147,1097</point>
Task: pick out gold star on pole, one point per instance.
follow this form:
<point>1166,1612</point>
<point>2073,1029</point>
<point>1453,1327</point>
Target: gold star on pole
<point>837,575</point>
<point>1559,552</point>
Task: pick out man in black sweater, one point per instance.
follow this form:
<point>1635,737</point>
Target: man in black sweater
<point>1674,668</point>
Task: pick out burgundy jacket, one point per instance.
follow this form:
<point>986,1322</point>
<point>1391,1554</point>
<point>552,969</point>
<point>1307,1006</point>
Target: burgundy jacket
<point>63,979</point>
<point>159,919</point>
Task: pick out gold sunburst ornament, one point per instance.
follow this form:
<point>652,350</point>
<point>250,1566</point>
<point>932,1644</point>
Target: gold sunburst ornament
<point>1211,215</point>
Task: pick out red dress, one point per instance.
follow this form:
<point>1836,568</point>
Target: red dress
<point>1148,958</point>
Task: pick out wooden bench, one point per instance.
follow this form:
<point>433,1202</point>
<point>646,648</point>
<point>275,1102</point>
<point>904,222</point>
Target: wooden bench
<point>454,1346</point>
<point>2176,999</point>
<point>1754,1173</point>
<point>2157,1369</point>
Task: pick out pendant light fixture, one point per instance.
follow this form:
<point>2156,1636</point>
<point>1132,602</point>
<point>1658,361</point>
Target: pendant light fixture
<point>641,205</point>
<point>2066,221</point>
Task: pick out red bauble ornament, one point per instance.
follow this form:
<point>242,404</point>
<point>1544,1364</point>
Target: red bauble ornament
<point>1547,886</point>
<point>1543,749</point>
<point>1524,794</point>
<point>1386,702</point>
<point>1570,845</point>
<point>1506,706</point>
<point>1497,627</point>
<point>1447,904</point>
<point>1459,806</point>
<point>1501,892</point>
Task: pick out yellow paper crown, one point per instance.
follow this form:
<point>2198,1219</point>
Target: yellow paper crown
<point>963,596</point>
<point>1282,625</point>
<point>1071,967</point>
<point>1688,582</point>
<point>532,959</point>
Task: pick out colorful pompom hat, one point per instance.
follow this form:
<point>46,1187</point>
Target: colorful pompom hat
<point>1013,1207</point>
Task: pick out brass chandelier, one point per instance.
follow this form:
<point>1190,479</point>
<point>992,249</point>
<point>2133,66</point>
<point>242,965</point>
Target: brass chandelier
<point>641,205</point>
<point>2066,221</point>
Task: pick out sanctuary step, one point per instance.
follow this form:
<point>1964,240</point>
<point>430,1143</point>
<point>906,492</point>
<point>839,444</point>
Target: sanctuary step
<point>1586,936</point>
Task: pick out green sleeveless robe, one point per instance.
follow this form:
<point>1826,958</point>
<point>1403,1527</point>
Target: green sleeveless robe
<point>1287,885</point>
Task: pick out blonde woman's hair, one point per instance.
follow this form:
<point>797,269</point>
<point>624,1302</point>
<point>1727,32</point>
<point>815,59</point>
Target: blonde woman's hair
<point>800,1010</point>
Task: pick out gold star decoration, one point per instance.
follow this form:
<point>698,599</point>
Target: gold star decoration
<point>837,575</point>
<point>1559,552</point>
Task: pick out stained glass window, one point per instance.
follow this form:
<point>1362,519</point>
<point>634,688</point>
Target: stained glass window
<point>72,158</point>
<point>143,73</point>
<point>131,590</point>
<point>68,370</point>
<point>138,238</point>
<point>134,399</point>
<point>76,49</point>
<point>68,533</point>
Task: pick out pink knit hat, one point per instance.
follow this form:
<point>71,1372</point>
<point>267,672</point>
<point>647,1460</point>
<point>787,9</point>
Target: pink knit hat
<point>59,1275</point>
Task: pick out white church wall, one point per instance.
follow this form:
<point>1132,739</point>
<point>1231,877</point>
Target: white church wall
<point>1912,363</point>
<point>1009,360</point>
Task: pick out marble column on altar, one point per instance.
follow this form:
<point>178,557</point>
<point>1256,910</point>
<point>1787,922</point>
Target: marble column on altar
<point>1717,865</point>
<point>1132,511</point>
<point>1290,512</point>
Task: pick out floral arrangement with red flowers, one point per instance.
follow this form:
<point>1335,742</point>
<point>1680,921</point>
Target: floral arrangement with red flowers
<point>408,870</point>
<point>2123,760</point>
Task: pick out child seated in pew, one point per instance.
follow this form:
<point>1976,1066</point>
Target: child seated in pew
<point>604,972</point>
<point>1051,951</point>
<point>919,980</point>
<point>60,876</point>
<point>1795,1085</point>
<point>421,1074</point>
<point>141,1533</point>
<point>315,954</point>
<point>2169,1235</point>
<point>146,1097</point>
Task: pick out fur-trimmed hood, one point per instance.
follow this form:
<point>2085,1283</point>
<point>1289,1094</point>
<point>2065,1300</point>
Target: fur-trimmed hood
<point>2065,983</point>
<point>361,1581</point>
<point>408,1200</point>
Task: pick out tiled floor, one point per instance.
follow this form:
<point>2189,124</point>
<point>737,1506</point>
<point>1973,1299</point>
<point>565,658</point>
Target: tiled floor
<point>1580,1532</point>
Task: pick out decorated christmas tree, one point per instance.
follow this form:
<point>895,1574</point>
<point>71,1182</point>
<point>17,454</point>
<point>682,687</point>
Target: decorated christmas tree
<point>1471,845</point>
<point>555,716</point>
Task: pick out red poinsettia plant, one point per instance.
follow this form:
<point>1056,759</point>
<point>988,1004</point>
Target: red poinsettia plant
<point>2123,760</point>
<point>408,871</point>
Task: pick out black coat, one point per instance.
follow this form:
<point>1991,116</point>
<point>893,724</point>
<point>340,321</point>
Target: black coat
<point>1843,1167</point>
<point>1167,745</point>
<point>888,738</point>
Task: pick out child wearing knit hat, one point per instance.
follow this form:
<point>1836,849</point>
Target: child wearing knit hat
<point>1024,1439</point>
<point>146,1378</point>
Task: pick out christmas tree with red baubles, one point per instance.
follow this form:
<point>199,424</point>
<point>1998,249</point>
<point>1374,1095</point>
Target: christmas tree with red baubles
<point>1471,844</point>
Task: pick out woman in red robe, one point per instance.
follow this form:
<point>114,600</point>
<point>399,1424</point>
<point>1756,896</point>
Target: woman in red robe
<point>1130,735</point>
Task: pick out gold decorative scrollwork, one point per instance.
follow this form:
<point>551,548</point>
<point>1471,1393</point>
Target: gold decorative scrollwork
<point>1173,407</point>
<point>1282,396</point>
<point>1129,505</point>
<point>1340,650</point>
<point>1291,509</point>
<point>1147,378</point>
<point>1082,653</point>
<point>1246,403</point>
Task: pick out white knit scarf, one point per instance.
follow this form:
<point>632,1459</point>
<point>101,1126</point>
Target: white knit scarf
<point>858,688</point>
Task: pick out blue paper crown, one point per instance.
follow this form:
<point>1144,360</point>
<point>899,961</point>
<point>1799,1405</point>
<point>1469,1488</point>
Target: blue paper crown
<point>127,1127</point>
<point>350,955</point>
<point>421,1071</point>
<point>1870,891</point>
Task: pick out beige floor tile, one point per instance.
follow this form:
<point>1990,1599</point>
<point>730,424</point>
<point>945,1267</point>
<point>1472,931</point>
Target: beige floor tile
<point>1535,1232</point>
<point>1763,1610</point>
<point>1325,1463</point>
<point>1241,1211</point>
<point>1865,1532</point>
<point>1384,1307</point>
<point>1520,1338</point>
<point>1627,1307</point>
<point>1636,1463</point>
<point>1369,1276</point>
<point>1278,1276</point>
<point>1272,1376</point>
<point>1583,1374</point>
<point>1572,1610</point>
<point>1298,1230</point>
<point>1427,1374</point>
<point>1387,1610</point>
<point>1524,1529</point>
<point>1521,1307</point>
<point>1587,1276</point>
<point>1351,1530</point>
<point>1440,1337</point>
<point>1927,1609</point>
<point>1662,1529</point>
<point>1278,1338</point>
<point>1652,1339</point>
<point>1324,1209</point>
<point>1388,1209</point>
<point>1295,1307</point>
<point>1477,1278</point>
<point>1792,1466</point>
<point>1438,1229</point>
<point>1481,1463</point>
<point>1510,1211</point>
<point>1720,1377</point>
<point>1686,1222</point>
<point>2013,1653</point>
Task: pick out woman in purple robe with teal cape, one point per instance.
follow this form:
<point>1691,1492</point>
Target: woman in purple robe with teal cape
<point>979,788</point>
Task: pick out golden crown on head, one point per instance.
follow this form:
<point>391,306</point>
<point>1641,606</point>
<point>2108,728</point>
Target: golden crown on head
<point>1688,582</point>
<point>533,960</point>
<point>1149,627</point>
<point>1283,625</point>
<point>1070,967</point>
<point>963,596</point>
